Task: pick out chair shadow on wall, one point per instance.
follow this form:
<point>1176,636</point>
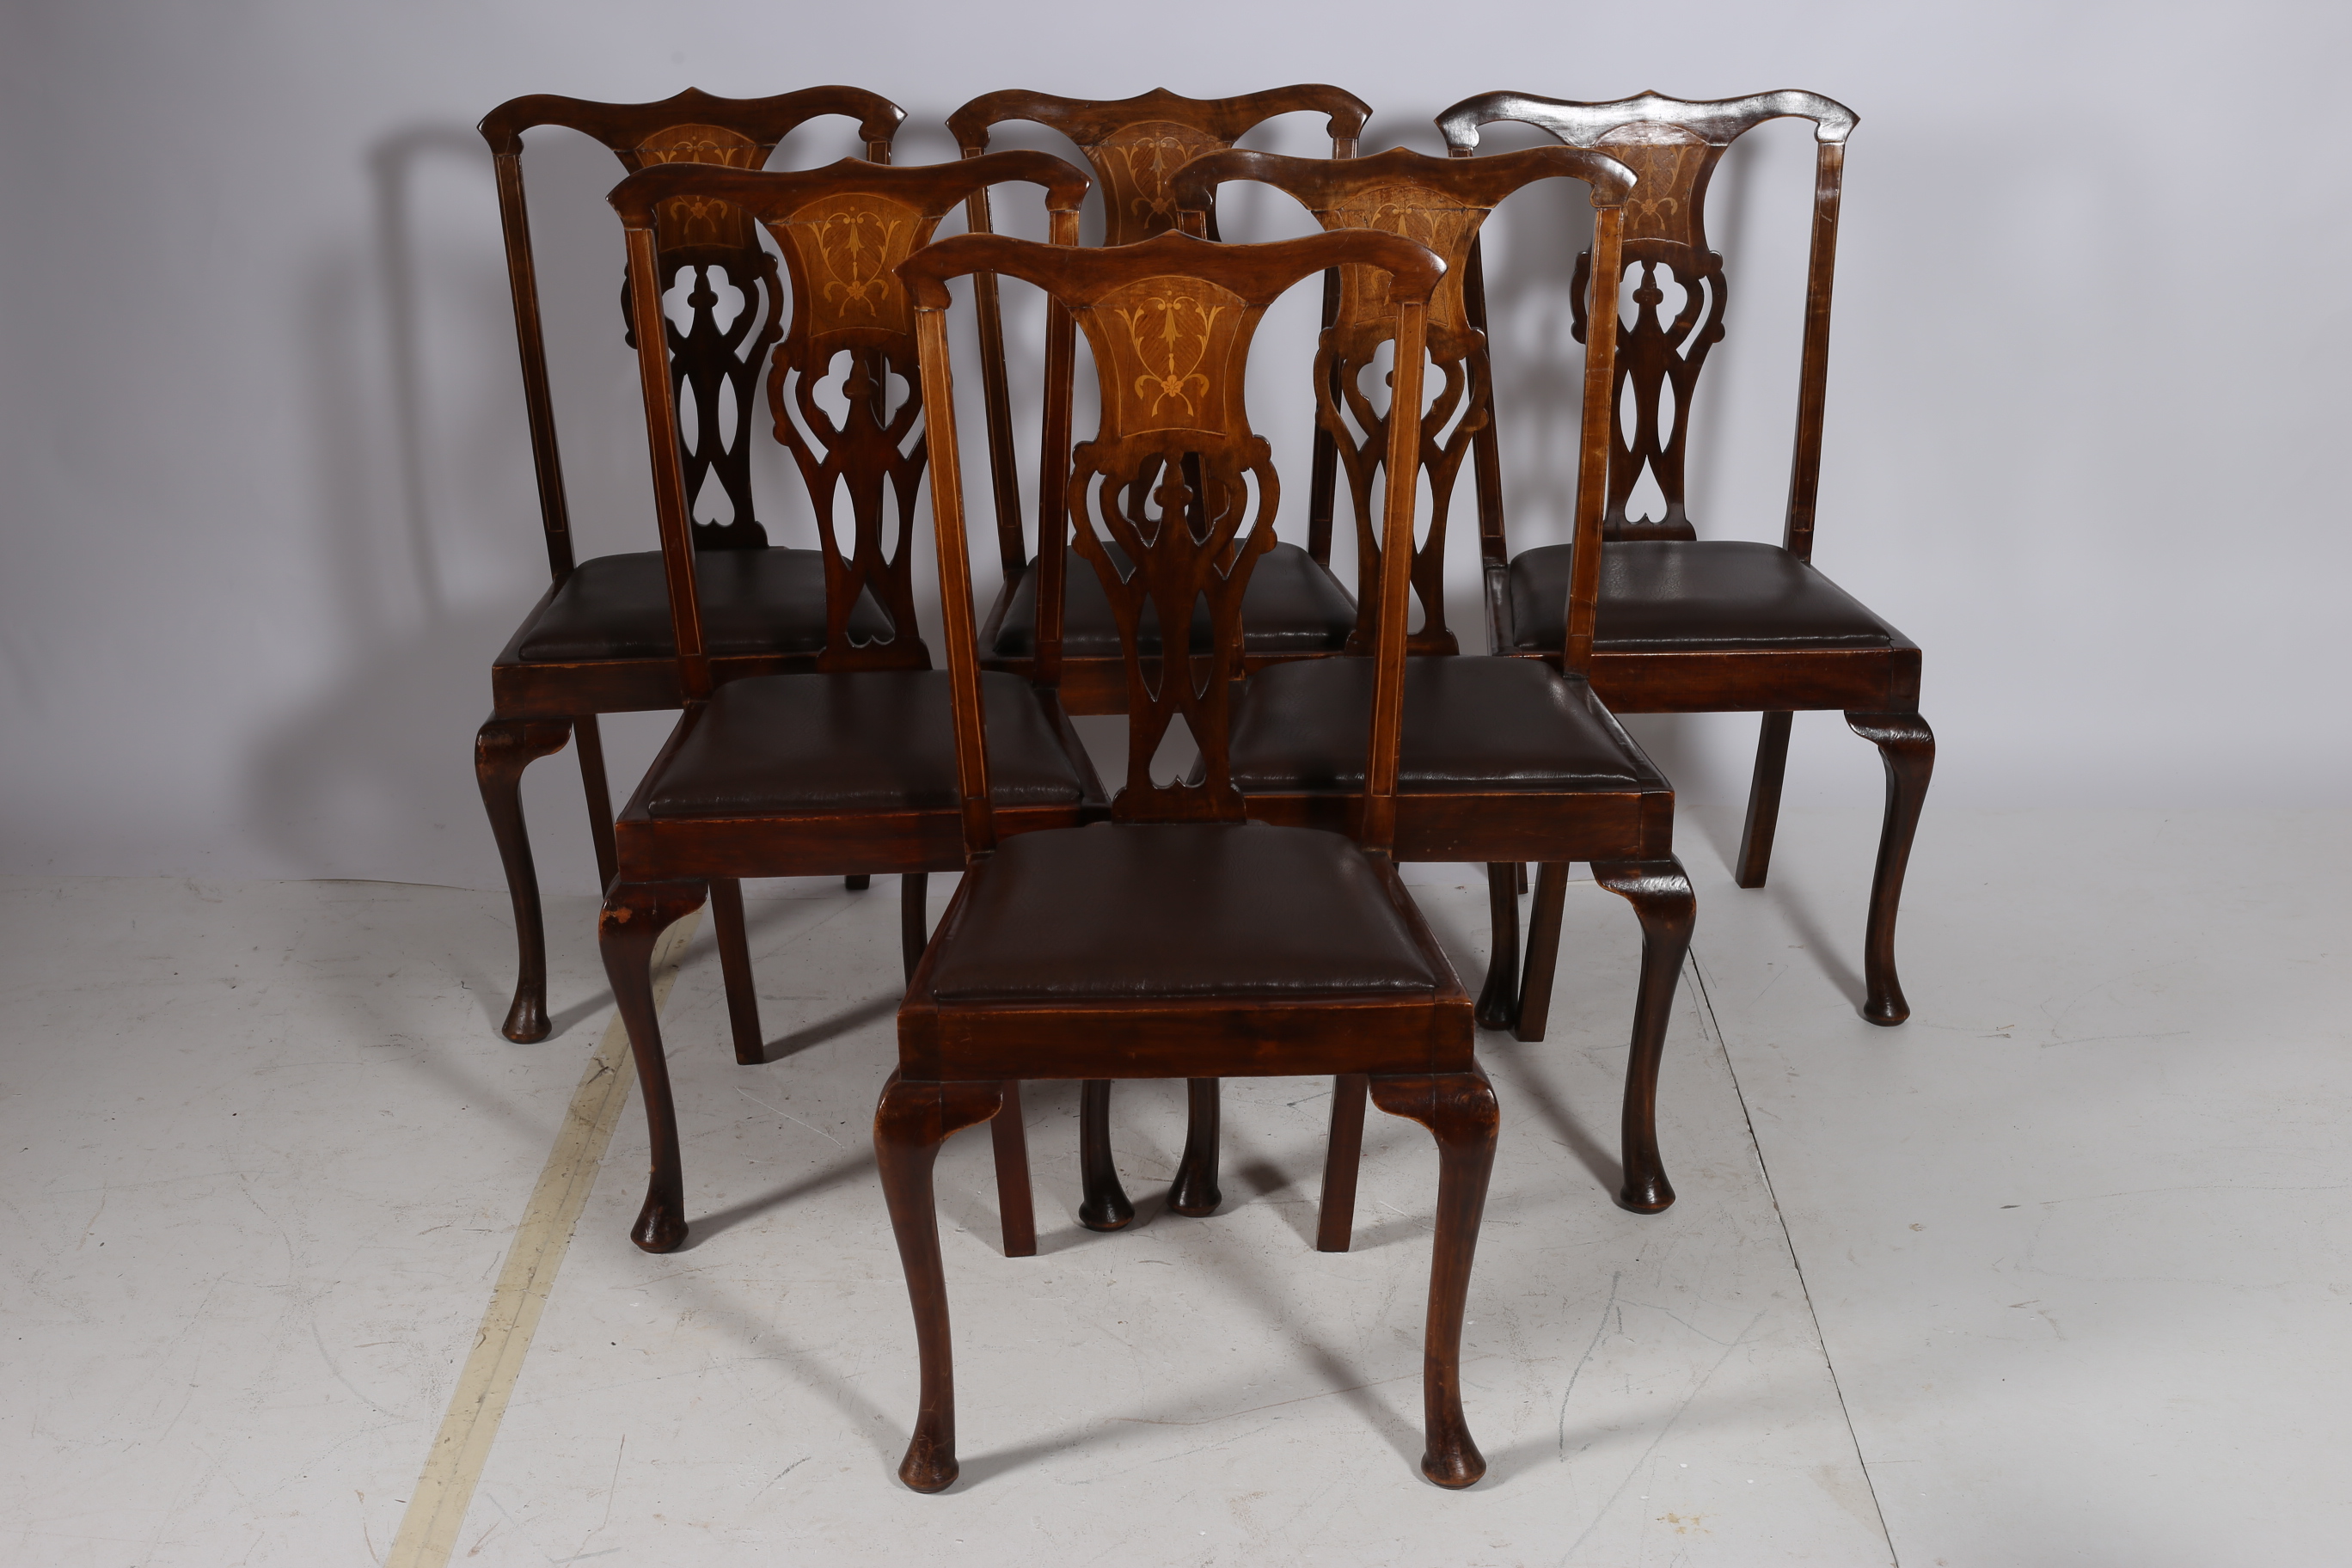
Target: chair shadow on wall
<point>425,514</point>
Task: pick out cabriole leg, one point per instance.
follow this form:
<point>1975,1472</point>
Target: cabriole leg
<point>1102,1202</point>
<point>1764,800</point>
<point>1662,901</point>
<point>1498,1002</point>
<point>1335,1223</point>
<point>735,969</point>
<point>635,916</point>
<point>1196,1191</point>
<point>1907,747</point>
<point>909,1124</point>
<point>502,749</point>
<point>1459,1110</point>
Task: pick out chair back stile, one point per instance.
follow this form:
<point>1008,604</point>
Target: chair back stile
<point>1673,146</point>
<point>1442,202</point>
<point>1134,146</point>
<point>843,229</point>
<point>1175,481</point>
<point>691,127</point>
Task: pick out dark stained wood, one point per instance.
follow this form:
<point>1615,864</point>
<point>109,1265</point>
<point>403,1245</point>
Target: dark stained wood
<point>1176,478</point>
<point>1442,202</point>
<point>1135,146</point>
<point>1673,146</point>
<point>842,230</point>
<point>691,127</point>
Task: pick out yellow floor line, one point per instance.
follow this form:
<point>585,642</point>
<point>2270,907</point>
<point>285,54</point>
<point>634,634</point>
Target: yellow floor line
<point>437,1510</point>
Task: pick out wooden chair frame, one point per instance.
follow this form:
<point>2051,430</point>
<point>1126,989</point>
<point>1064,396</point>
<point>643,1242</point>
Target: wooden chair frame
<point>538,704</point>
<point>1177,430</point>
<point>1135,145</point>
<point>1673,145</point>
<point>1625,831</point>
<point>842,229</point>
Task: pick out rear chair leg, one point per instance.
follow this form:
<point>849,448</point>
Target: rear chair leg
<point>1498,1003</point>
<point>1907,747</point>
<point>1194,1191</point>
<point>1662,901</point>
<point>914,917</point>
<point>634,915</point>
<point>502,749</point>
<point>598,786</point>
<point>1102,1202</point>
<point>1459,1109</point>
<point>735,969</point>
<point>909,1124</point>
<point>1342,1155</point>
<point>1543,949</point>
<point>1764,801</point>
<point>1016,1212</point>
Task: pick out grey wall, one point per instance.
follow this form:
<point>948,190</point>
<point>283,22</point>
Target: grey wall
<point>266,480</point>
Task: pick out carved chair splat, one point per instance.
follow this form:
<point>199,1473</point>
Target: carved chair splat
<point>598,641</point>
<point>1502,760</point>
<point>1134,146</point>
<point>1695,627</point>
<point>849,768</point>
<point>1178,937</point>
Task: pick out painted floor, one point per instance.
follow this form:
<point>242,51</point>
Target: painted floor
<point>2059,1272</point>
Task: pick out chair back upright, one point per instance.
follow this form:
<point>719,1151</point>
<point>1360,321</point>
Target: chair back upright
<point>1135,145</point>
<point>1174,499</point>
<point>842,230</point>
<point>693,127</point>
<point>1673,145</point>
<point>1441,202</point>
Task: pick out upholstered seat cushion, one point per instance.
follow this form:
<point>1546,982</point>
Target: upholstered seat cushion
<point>1127,912</point>
<point>754,602</point>
<point>872,740</point>
<point>1470,724</point>
<point>1681,596</point>
<point>1292,607</point>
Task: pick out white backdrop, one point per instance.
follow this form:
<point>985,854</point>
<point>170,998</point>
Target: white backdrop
<point>267,484</point>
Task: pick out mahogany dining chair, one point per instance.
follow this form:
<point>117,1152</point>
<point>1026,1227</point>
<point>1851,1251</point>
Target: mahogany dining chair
<point>1179,937</point>
<point>841,770</point>
<point>1692,626</point>
<point>598,641</point>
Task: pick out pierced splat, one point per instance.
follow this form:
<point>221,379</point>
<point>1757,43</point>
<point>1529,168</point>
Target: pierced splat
<point>714,365</point>
<point>1658,355</point>
<point>1173,499</point>
<point>1441,203</point>
<point>1158,500</point>
<point>1673,146</point>
<point>842,231</point>
<point>1134,146</point>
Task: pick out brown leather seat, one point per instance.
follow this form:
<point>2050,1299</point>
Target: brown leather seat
<point>1293,606</point>
<point>1693,595</point>
<point>1470,724</point>
<point>754,602</point>
<point>869,741</point>
<point>1236,910</point>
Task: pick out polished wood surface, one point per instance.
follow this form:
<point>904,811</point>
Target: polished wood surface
<point>1625,828</point>
<point>1134,146</point>
<point>1673,146</point>
<point>844,230</point>
<point>1176,478</point>
<point>538,703</point>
